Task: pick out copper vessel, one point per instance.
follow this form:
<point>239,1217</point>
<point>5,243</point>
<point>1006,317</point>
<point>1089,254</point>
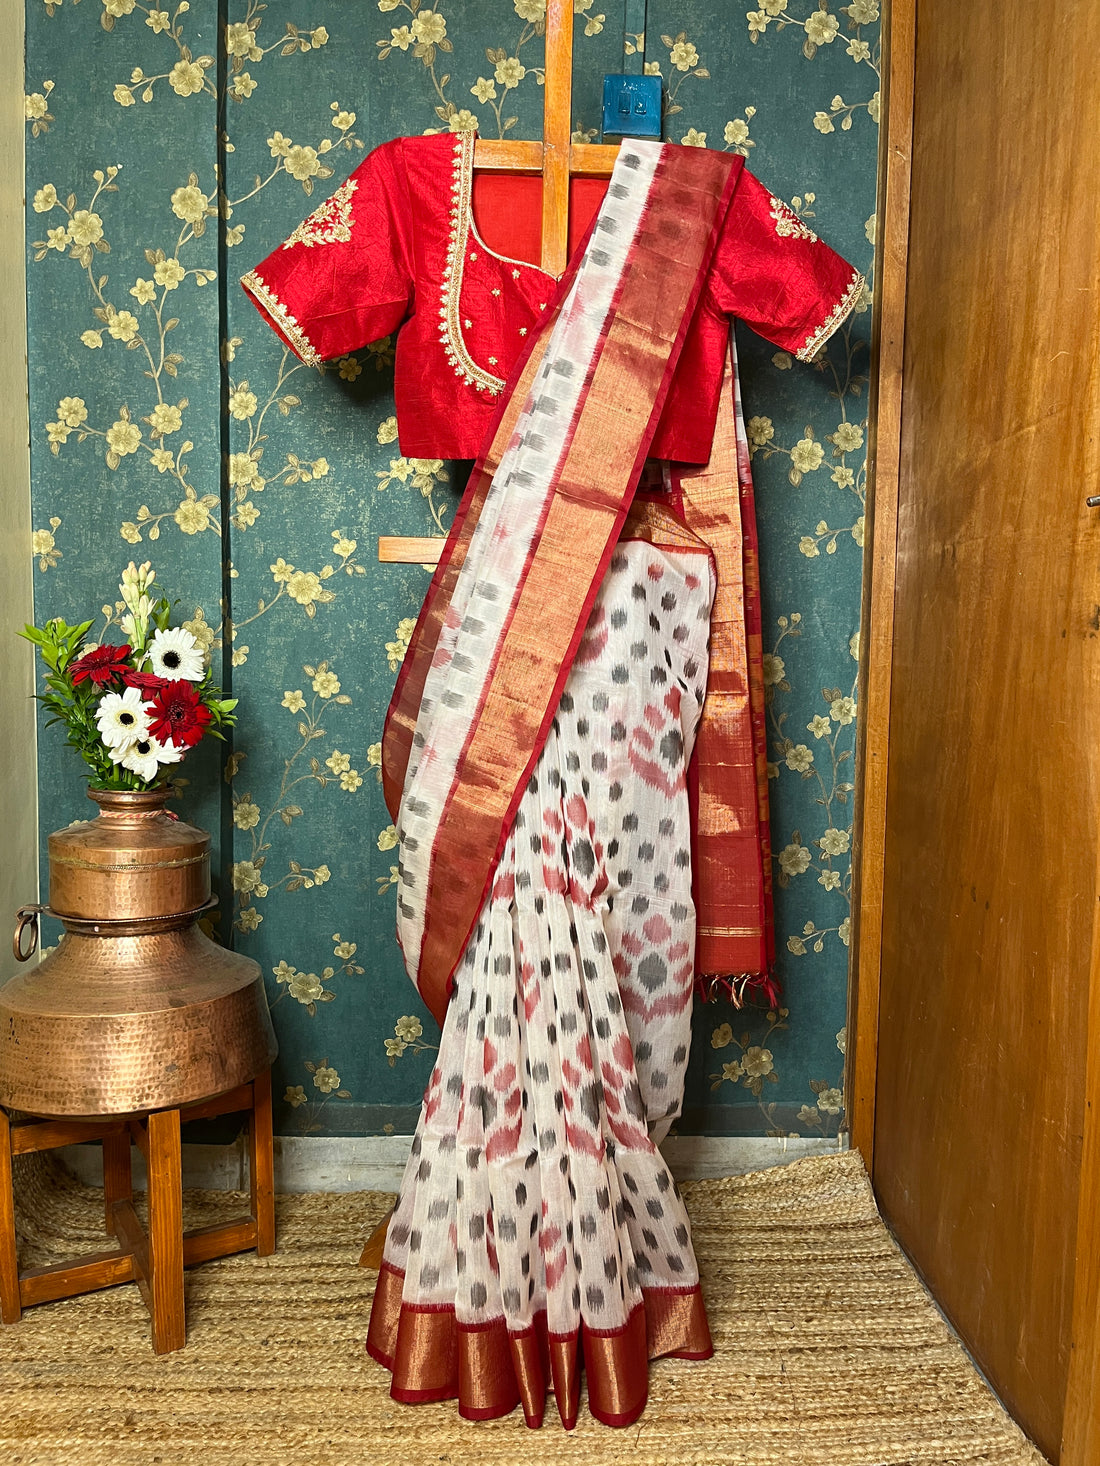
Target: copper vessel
<point>136,1008</point>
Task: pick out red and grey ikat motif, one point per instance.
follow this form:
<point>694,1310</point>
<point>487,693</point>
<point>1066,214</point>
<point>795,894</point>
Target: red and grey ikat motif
<point>535,1182</point>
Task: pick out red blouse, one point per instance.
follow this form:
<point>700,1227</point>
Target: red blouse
<point>396,246</point>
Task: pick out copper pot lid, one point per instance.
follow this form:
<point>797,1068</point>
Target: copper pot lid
<point>133,832</point>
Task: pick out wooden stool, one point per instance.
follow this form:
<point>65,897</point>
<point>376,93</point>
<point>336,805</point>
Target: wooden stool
<point>154,1260</point>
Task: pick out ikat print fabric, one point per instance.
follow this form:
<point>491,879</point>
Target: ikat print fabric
<point>535,1192</point>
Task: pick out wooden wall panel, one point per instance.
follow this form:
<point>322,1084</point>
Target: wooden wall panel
<point>991,834</point>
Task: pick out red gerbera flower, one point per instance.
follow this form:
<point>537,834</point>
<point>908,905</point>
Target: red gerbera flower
<point>101,666</point>
<point>177,714</point>
<point>147,681</point>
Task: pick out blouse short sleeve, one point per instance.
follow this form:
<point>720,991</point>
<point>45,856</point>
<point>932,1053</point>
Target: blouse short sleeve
<point>772,272</point>
<point>343,278</point>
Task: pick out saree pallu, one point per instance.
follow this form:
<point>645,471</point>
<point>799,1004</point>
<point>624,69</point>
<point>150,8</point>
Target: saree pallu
<point>536,759</point>
<point>508,604</point>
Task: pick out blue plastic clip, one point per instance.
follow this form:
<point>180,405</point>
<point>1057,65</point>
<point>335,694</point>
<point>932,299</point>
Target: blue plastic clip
<point>631,106</point>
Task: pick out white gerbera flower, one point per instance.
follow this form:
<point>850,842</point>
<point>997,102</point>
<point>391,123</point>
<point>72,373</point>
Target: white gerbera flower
<point>176,654</point>
<point>121,717</point>
<point>145,755</point>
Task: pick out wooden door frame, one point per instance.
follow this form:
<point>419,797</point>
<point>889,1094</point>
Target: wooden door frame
<point>18,721</point>
<point>877,617</point>
<point>1081,1418</point>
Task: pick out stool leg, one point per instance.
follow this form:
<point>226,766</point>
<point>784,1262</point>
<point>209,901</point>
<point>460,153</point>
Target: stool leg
<point>166,1231</point>
<point>9,1263</point>
<point>117,1178</point>
<point>261,1164</point>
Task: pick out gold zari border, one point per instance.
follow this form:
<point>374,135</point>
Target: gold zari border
<point>833,321</point>
<point>450,334</point>
<point>490,1370</point>
<point>282,317</point>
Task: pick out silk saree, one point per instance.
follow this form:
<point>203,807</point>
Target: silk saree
<point>537,759</point>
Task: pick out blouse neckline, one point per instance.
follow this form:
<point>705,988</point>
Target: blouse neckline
<point>463,230</point>
<point>467,143</point>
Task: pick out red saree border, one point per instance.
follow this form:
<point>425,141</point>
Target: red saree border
<point>490,1370</point>
<point>731,874</point>
<point>592,492</point>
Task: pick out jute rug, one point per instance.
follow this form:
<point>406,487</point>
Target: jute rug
<point>829,1352</point>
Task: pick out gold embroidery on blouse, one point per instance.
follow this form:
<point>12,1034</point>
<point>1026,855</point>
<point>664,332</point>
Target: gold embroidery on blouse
<point>450,323</point>
<point>836,317</point>
<point>278,312</point>
<point>330,222</point>
<point>787,223</point>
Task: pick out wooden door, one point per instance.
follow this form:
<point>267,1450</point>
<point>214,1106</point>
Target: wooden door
<point>989,856</point>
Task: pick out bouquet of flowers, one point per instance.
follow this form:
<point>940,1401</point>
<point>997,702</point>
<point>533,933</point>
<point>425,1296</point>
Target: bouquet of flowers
<point>135,709</point>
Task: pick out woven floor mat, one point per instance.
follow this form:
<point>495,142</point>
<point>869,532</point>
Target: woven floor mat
<point>828,1351</point>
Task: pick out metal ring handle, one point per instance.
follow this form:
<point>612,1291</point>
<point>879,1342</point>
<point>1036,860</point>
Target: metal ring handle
<point>26,916</point>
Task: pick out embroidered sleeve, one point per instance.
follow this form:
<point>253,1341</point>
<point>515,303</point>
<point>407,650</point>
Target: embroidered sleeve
<point>344,276</point>
<point>771,270</point>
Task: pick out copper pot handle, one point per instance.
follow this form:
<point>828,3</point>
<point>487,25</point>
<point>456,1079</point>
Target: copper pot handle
<point>26,916</point>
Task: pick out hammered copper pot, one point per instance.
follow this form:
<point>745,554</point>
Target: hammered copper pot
<point>136,1008</point>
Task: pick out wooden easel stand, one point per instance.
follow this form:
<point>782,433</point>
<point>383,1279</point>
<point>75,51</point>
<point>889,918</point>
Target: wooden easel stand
<point>558,159</point>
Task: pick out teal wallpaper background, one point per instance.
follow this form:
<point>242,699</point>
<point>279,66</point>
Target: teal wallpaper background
<point>167,152</point>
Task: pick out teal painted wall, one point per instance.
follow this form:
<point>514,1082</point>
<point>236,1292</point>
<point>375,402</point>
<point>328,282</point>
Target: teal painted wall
<point>258,487</point>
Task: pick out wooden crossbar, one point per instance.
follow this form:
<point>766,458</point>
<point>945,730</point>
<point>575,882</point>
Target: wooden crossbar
<point>28,1136</point>
<point>503,155</point>
<point>66,1279</point>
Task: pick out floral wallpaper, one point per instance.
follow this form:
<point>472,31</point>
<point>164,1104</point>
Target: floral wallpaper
<point>170,149</point>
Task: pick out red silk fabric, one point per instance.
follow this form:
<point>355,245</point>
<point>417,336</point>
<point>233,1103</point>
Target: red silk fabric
<point>508,212</point>
<point>375,261</point>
